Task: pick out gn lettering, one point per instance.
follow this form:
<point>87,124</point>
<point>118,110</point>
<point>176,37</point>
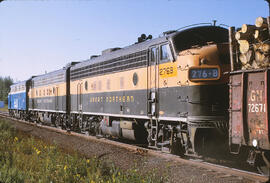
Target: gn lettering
<point>256,103</point>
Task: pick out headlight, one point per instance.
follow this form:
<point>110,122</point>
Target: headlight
<point>203,61</point>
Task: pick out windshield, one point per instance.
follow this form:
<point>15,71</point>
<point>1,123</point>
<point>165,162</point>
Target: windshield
<point>199,36</point>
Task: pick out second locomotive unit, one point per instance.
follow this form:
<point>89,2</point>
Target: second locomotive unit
<point>169,92</point>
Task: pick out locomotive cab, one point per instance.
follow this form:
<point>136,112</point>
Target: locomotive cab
<point>193,91</point>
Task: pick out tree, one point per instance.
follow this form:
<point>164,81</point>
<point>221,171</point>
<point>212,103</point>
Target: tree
<point>5,83</point>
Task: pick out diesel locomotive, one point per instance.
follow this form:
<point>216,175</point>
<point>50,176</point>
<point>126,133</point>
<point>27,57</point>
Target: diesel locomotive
<point>169,93</point>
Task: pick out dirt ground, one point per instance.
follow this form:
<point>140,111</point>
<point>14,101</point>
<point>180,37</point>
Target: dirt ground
<point>125,159</point>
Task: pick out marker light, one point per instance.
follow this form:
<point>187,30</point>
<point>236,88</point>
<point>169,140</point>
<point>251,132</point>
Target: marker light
<point>254,142</point>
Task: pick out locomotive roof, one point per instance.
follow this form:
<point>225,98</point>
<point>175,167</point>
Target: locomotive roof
<point>19,83</point>
<point>18,87</point>
<point>142,46</point>
<point>123,51</point>
<point>53,73</point>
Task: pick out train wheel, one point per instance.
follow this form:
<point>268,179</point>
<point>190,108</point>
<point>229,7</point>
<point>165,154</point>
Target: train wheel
<point>64,122</point>
<point>263,163</point>
<point>58,122</point>
<point>176,147</point>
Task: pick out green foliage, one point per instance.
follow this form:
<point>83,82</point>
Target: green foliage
<point>5,83</point>
<point>26,159</point>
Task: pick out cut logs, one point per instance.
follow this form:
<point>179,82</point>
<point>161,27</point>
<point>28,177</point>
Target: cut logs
<point>261,35</point>
<point>242,36</point>
<point>253,45</point>
<point>261,22</point>
<point>243,46</point>
<point>265,48</point>
<point>247,29</point>
<point>246,58</point>
<point>259,57</point>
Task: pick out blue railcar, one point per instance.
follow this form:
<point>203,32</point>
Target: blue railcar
<point>18,100</point>
<point>2,104</point>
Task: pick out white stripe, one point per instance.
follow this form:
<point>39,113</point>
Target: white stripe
<point>13,93</point>
<point>114,115</point>
<point>132,116</point>
<point>173,119</point>
<point>44,110</point>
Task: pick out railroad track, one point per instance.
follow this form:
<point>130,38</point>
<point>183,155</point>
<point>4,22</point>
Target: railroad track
<point>222,171</point>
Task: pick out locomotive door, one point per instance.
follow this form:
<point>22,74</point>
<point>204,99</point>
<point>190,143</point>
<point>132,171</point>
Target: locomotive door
<point>153,82</point>
<point>79,97</point>
<point>57,98</point>
<point>33,97</point>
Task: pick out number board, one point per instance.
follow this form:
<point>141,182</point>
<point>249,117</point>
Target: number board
<point>167,70</point>
<point>203,73</point>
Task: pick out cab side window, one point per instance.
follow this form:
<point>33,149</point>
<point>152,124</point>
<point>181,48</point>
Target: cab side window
<point>153,54</point>
<point>165,53</point>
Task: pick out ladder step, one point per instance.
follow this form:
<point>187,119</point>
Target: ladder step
<point>154,131</point>
<point>163,143</point>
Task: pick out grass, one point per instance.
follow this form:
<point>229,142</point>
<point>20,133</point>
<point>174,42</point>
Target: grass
<point>26,159</point>
<point>5,109</point>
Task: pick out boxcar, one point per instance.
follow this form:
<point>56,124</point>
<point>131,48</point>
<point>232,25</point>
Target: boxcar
<point>249,116</point>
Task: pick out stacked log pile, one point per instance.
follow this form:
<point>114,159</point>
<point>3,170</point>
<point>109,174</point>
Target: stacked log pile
<point>253,45</point>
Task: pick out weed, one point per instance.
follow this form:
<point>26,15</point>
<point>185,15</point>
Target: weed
<point>26,159</point>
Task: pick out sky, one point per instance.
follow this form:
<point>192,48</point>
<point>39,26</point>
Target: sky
<point>38,36</point>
